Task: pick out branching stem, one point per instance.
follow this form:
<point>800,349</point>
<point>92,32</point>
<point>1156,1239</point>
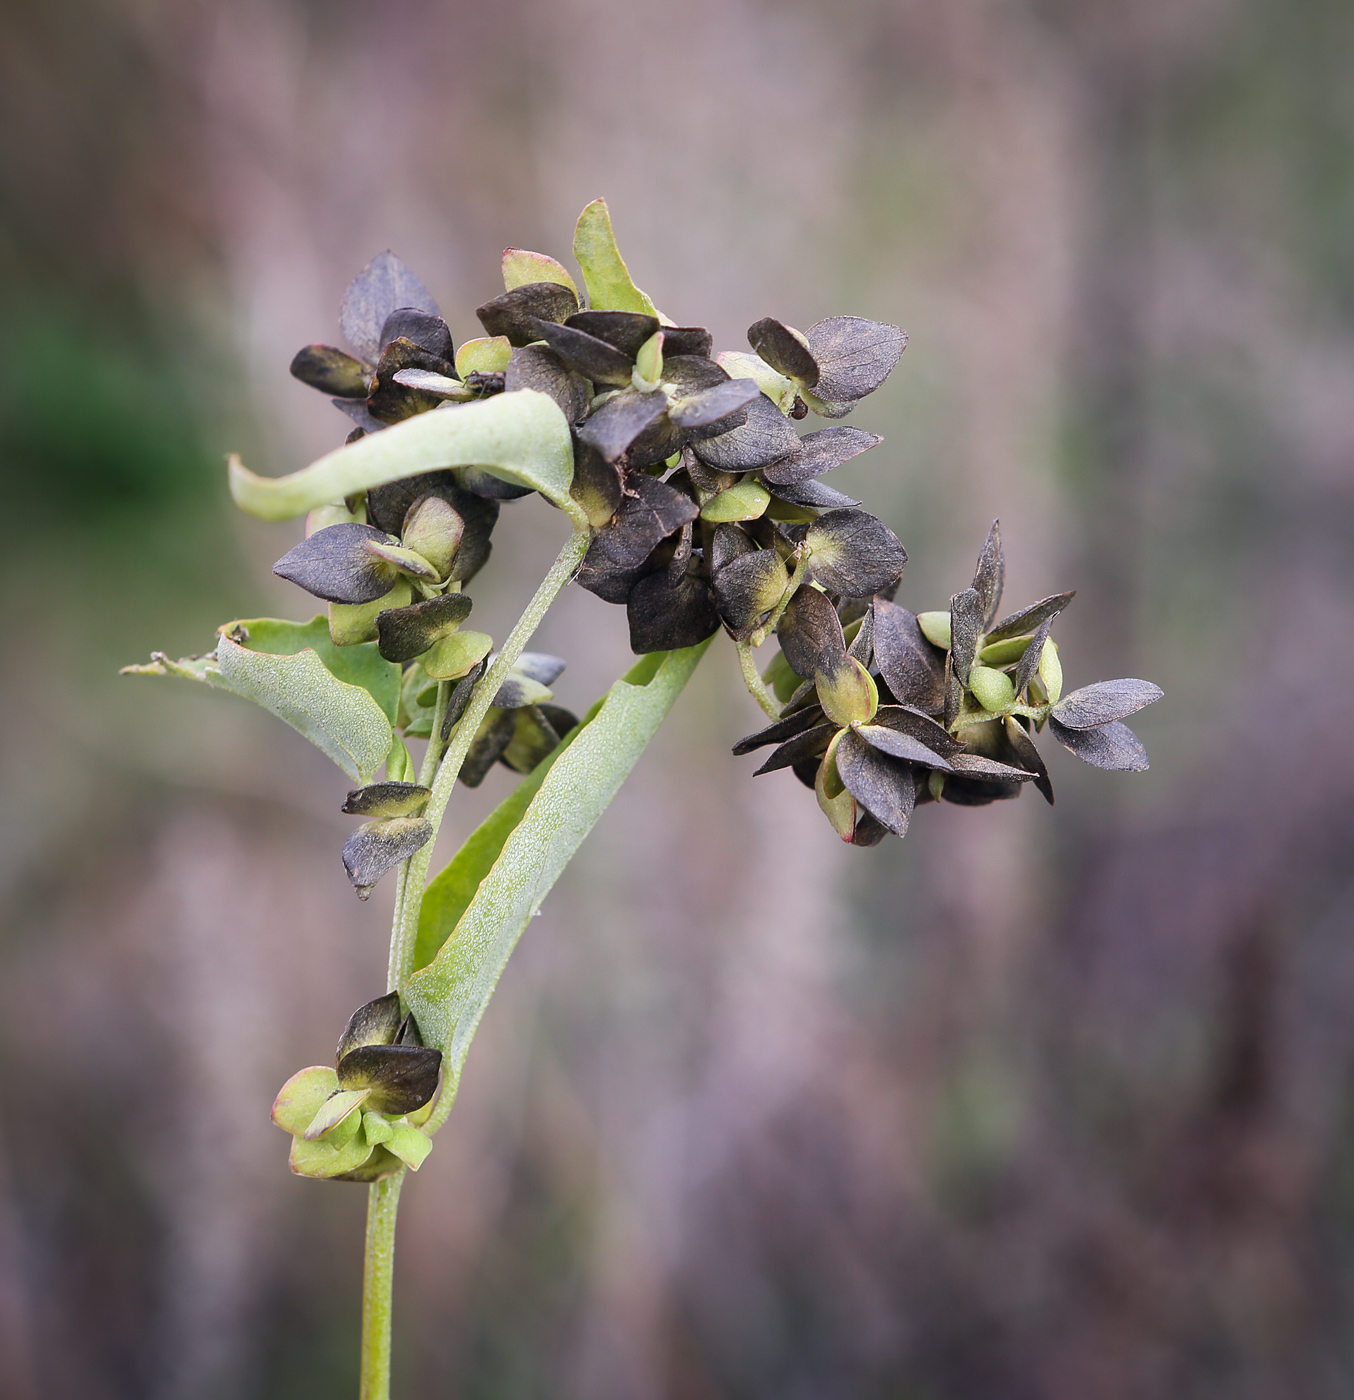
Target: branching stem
<point>439,770</point>
<point>752,679</point>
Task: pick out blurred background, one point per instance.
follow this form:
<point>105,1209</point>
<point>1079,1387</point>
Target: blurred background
<point>1037,1104</point>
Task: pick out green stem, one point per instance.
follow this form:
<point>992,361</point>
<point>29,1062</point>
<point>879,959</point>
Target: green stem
<point>439,770</point>
<point>382,1203</point>
<point>400,956</point>
<point>797,576</point>
<point>756,686</point>
<point>405,939</point>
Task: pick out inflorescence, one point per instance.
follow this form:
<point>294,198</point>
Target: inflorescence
<point>707,511</point>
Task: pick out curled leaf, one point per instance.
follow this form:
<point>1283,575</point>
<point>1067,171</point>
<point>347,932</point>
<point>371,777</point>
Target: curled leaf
<point>521,437</point>
<point>516,315</point>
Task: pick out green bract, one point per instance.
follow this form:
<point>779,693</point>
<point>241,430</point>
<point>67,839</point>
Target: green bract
<point>605,274</point>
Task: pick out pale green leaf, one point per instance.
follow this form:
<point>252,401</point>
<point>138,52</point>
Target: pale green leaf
<point>340,719</point>
<point>605,274</point>
<point>302,1097</point>
<point>358,665</point>
<point>520,436</point>
<point>449,995</point>
<point>522,268</point>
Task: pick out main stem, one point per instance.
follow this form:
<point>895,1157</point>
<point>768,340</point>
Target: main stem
<point>404,937</point>
<point>384,1196</point>
<point>382,1205</point>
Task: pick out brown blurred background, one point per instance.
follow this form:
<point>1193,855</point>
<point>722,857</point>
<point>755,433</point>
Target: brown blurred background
<point>1036,1105</point>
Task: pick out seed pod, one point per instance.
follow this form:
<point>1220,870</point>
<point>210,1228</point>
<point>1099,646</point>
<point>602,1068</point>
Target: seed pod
<point>935,628</point>
<point>846,692</point>
<point>992,689</point>
<point>434,530</point>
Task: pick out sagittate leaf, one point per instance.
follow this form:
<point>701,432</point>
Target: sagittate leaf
<point>520,437</point>
<point>340,719</point>
<point>449,995</point>
<point>610,286</point>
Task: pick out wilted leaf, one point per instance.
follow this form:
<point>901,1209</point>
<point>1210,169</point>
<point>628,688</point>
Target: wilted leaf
<point>401,1078</point>
<point>819,452</point>
<point>667,614</point>
<point>650,512</point>
<point>813,495</point>
<point>749,586</point>
<point>810,633</point>
<point>990,575</point>
<point>765,437</point>
<point>538,367</point>
<point>380,288</point>
<point>778,345</point>
<point>1027,619</point>
<point>517,314</point>
<point>1029,757</point>
<point>593,358</point>
<point>854,356</point>
<point>379,846</point>
<point>1097,704</point>
<point>883,785</point>
<point>406,633</point>
<point>853,553</point>
<point>966,625</point>
<point>810,744</point>
<point>625,331</point>
<point>390,799</point>
<point>779,731</point>
<point>619,421</point>
<point>330,371</point>
<point>1114,746</point>
<point>336,565</point>
<point>910,665</point>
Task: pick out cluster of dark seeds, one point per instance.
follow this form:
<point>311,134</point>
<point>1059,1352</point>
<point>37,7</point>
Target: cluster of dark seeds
<point>887,709</point>
<point>708,511</point>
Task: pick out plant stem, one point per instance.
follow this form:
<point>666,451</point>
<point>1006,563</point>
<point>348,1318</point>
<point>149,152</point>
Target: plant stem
<point>756,686</point>
<point>403,885</point>
<point>382,1203</point>
<point>439,770</point>
<point>797,575</point>
<point>405,937</point>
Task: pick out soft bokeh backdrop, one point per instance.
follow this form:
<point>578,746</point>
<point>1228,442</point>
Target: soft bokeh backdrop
<point>1037,1105</point>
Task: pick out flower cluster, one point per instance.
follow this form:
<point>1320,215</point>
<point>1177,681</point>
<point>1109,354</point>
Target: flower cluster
<point>363,1119</point>
<point>697,504</point>
<point>706,504</point>
<point>886,709</point>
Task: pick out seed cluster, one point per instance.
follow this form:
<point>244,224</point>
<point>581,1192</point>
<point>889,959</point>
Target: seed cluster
<point>707,511</point>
